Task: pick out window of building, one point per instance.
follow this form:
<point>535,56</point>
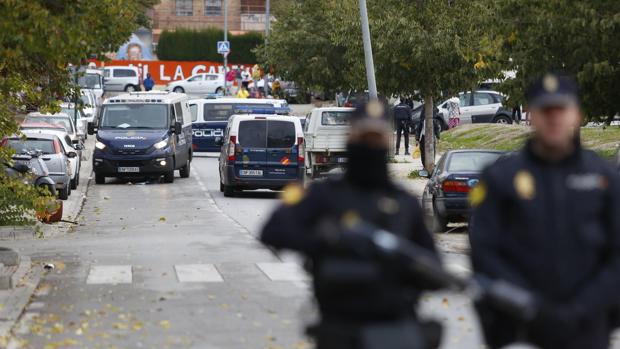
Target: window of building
<point>252,6</point>
<point>185,7</point>
<point>213,7</point>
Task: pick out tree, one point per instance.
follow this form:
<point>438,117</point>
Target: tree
<point>579,38</point>
<point>38,40</point>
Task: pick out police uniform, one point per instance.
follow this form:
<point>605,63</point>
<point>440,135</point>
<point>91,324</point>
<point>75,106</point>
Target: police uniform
<point>554,229</point>
<point>351,291</point>
<point>402,119</point>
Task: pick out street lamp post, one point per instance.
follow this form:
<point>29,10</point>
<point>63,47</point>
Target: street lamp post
<point>225,39</point>
<point>370,65</point>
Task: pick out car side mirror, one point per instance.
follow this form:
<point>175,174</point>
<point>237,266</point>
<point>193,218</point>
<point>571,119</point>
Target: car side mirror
<point>91,128</point>
<point>78,146</point>
<point>424,174</point>
<point>177,128</point>
<point>21,167</point>
<point>219,141</point>
<point>71,154</point>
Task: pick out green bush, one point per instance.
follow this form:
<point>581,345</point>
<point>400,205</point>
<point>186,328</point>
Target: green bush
<point>193,45</point>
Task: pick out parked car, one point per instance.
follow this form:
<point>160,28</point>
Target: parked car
<point>326,131</point>
<point>482,106</point>
<point>60,119</point>
<point>92,79</point>
<point>82,120</point>
<point>32,169</point>
<point>65,141</point>
<point>54,155</point>
<point>143,134</point>
<point>199,84</point>
<point>445,198</point>
<point>89,105</point>
<point>121,78</point>
<point>260,152</point>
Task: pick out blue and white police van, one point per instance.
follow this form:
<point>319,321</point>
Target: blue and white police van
<point>210,117</point>
<point>143,134</point>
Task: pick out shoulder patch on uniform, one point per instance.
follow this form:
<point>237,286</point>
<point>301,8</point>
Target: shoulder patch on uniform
<point>478,194</point>
<point>292,194</point>
<point>525,185</point>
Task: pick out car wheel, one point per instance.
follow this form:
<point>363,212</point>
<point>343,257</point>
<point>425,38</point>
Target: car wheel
<point>63,194</point>
<point>130,88</point>
<point>438,223</point>
<point>99,178</point>
<point>169,177</point>
<point>178,89</point>
<point>221,187</point>
<point>74,183</point>
<point>185,170</point>
<point>229,191</point>
<point>502,119</point>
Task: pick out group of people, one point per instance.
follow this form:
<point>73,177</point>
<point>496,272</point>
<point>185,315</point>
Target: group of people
<point>545,219</point>
<point>244,77</point>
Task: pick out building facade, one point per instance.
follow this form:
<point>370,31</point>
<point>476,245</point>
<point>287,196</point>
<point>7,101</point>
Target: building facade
<point>243,15</point>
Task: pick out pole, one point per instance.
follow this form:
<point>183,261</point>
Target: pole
<point>75,98</point>
<point>370,65</point>
<point>267,16</point>
<point>225,39</point>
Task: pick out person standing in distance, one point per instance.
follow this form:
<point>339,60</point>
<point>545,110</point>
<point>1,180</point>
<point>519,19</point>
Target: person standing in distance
<point>312,223</point>
<point>402,121</point>
<point>548,219</point>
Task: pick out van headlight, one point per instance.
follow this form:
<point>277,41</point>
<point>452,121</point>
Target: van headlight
<point>99,145</point>
<point>161,144</point>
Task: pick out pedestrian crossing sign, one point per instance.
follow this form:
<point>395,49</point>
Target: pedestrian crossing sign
<point>223,47</point>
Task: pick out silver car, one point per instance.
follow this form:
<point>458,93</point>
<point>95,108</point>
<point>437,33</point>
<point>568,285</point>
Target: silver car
<point>54,155</point>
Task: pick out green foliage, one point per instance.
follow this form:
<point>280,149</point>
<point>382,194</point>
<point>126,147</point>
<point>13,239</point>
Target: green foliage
<point>38,40</point>
<point>199,45</point>
<point>576,37</point>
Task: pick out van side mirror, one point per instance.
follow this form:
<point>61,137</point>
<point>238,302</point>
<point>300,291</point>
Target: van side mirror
<point>78,146</point>
<point>219,141</point>
<point>176,128</point>
<point>91,128</point>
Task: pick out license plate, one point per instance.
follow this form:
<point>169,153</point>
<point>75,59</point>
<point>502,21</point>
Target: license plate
<point>251,172</point>
<point>128,169</point>
<point>342,160</point>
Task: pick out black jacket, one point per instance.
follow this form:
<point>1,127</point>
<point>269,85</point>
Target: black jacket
<point>368,291</point>
<point>555,230</point>
<point>402,113</point>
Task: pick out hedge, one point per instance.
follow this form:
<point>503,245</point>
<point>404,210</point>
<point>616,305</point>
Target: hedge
<point>201,45</point>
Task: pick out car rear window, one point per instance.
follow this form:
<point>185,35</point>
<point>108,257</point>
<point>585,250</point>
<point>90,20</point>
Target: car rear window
<point>58,121</point>
<point>46,146</point>
<point>471,162</point>
<point>280,134</point>
<point>335,118</point>
<point>253,133</point>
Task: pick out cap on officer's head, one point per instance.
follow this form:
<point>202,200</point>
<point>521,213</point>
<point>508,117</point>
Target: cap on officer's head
<point>369,117</point>
<point>552,90</point>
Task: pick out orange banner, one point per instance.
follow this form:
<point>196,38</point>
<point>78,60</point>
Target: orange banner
<point>164,72</point>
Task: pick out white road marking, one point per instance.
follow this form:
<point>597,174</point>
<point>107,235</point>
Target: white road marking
<point>197,273</point>
<point>109,274</point>
<point>283,271</point>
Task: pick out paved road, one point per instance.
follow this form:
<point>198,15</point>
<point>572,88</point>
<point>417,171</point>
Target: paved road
<point>177,266</point>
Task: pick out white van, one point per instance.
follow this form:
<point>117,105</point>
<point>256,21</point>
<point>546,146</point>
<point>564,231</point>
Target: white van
<point>121,78</point>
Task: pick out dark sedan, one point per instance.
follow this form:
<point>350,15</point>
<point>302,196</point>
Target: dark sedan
<point>445,196</point>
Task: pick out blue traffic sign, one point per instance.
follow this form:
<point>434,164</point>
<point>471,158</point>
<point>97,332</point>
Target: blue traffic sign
<point>223,47</point>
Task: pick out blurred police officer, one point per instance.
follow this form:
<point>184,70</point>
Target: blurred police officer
<point>363,304</point>
<point>402,121</point>
<point>548,219</point>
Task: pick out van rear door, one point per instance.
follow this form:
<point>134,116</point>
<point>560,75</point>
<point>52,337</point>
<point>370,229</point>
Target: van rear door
<point>251,152</point>
<point>282,150</point>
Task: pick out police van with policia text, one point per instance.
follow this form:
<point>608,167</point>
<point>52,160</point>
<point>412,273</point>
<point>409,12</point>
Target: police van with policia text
<point>143,134</point>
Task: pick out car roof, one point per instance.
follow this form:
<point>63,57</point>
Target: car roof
<point>47,115</point>
<point>60,133</point>
<point>240,100</point>
<point>147,97</point>
<point>243,117</point>
<point>42,125</point>
<point>38,136</point>
<point>93,71</point>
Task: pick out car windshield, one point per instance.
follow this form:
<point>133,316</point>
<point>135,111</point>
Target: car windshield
<point>223,111</point>
<point>60,121</point>
<point>336,118</point>
<point>46,146</point>
<point>135,116</point>
<point>471,161</point>
<point>90,81</point>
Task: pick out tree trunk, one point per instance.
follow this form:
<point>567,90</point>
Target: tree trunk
<point>429,134</point>
<point>610,118</point>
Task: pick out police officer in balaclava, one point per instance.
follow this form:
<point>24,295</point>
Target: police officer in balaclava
<point>355,295</point>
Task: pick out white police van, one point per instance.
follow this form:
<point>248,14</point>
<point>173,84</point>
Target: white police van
<point>143,134</point>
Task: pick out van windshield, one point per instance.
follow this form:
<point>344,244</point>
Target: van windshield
<point>223,111</point>
<point>135,116</point>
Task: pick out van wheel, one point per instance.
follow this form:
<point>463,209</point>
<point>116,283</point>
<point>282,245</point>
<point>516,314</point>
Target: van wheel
<point>99,178</point>
<point>130,88</point>
<point>169,177</point>
<point>502,119</point>
<point>185,170</point>
<point>229,191</point>
<point>63,194</point>
<point>178,89</point>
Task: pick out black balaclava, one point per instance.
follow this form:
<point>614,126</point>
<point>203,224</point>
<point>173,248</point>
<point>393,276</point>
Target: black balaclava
<point>367,166</point>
